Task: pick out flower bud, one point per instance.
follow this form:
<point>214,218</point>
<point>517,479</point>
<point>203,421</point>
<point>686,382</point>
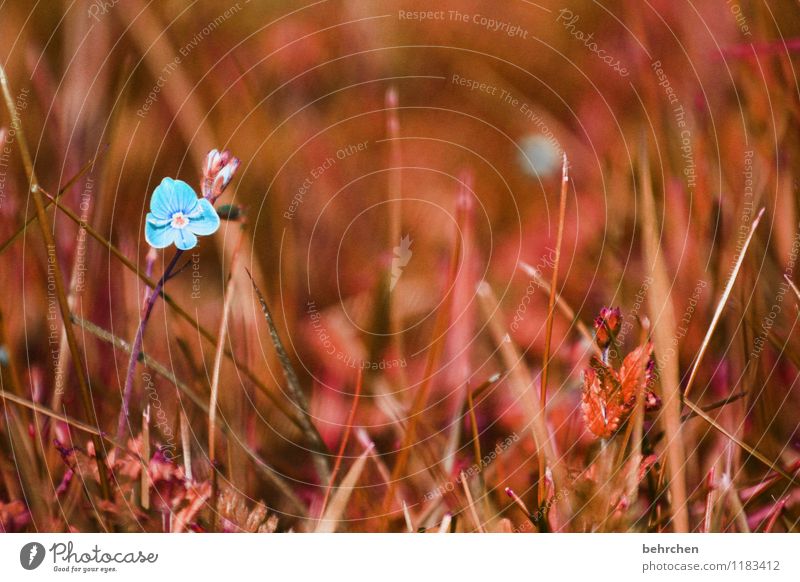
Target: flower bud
<point>215,160</point>
<point>607,326</point>
<point>225,175</point>
<point>220,166</point>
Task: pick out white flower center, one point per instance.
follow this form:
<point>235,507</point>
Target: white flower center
<point>179,220</point>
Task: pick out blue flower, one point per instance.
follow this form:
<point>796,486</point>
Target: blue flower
<point>177,216</point>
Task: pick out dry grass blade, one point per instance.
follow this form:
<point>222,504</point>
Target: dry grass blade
<point>267,470</point>
<point>180,311</point>
<point>444,526</point>
<point>395,209</point>
<point>732,495</point>
<point>63,362</point>
<point>33,500</point>
<point>566,310</point>
<point>145,476</point>
<point>407,517</point>
<point>23,457</point>
<point>471,504</point>
<point>792,285</point>
<point>186,447</point>
<point>222,335</point>
<point>773,465</point>
<point>343,446</point>
<point>721,304</point>
<point>714,405</point>
<point>335,511</point>
<point>662,314</point>
<point>476,441</point>
<point>57,281</point>
<point>711,497</point>
<point>70,183</point>
<point>321,453</point>
<point>215,372</point>
<point>43,410</point>
<point>522,384</point>
<point>431,365</point>
<point>551,302</point>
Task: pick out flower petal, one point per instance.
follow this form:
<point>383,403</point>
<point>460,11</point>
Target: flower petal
<point>205,220</point>
<point>157,222</point>
<point>161,200</point>
<point>158,236</point>
<point>185,197</point>
<point>184,239</point>
<point>172,196</point>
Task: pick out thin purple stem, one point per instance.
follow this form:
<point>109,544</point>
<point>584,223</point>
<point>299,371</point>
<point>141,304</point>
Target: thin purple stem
<point>136,349</point>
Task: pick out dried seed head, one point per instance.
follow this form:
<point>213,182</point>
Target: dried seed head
<point>609,396</point>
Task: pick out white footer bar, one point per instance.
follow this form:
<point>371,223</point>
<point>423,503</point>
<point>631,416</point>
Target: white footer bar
<point>406,557</point>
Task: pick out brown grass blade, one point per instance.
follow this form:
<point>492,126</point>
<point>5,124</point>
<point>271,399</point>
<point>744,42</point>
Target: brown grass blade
<point>267,470</point>
<point>395,209</point>
<point>431,364</point>
<point>773,465</point>
<point>471,504</point>
<point>215,374</point>
<point>180,311</point>
<point>721,304</point>
<point>561,303</point>
<point>321,453</point>
<point>335,511</point>
<point>343,446</point>
<point>551,302</point>
<point>58,281</point>
<point>662,315</point>
<point>523,386</point>
<point>50,413</point>
<point>145,476</point>
<point>61,191</point>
